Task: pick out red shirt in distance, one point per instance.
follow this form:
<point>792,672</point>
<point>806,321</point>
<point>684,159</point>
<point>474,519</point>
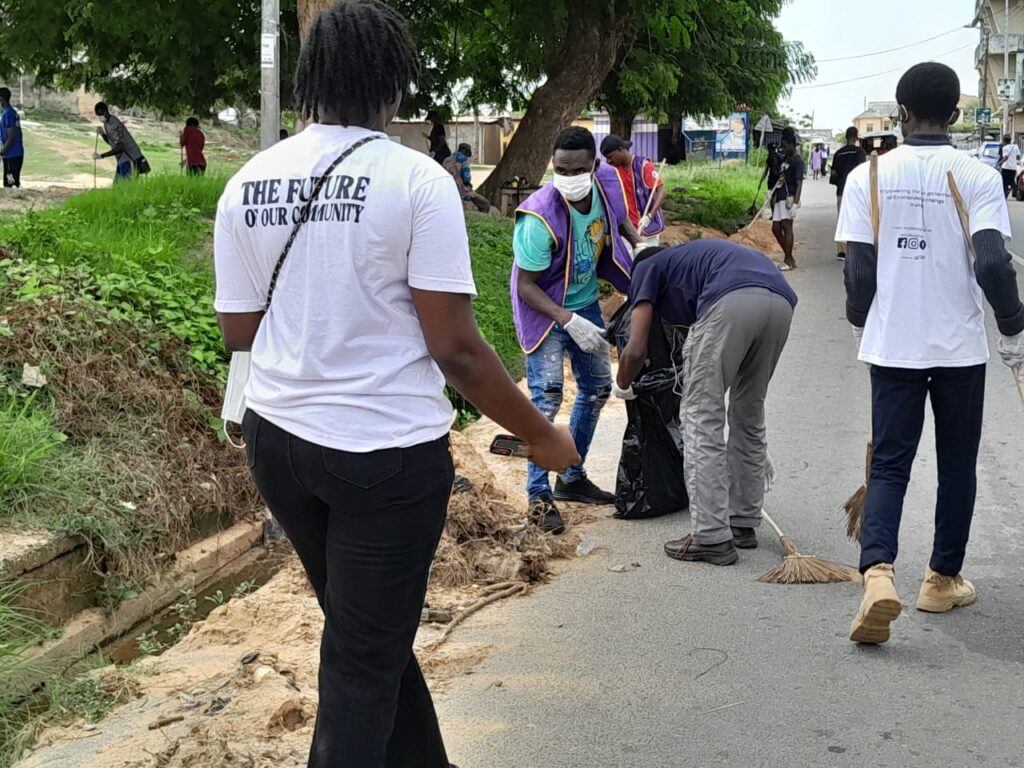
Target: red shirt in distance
<point>193,140</point>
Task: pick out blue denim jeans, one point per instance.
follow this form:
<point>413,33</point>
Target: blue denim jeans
<point>593,374</point>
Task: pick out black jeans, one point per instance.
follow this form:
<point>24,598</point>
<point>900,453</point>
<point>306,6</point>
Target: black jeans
<point>897,415</point>
<point>1009,182</point>
<point>12,170</point>
<point>365,526</point>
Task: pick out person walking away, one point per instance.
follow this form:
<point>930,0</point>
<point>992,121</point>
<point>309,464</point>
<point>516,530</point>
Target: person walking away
<point>786,198</point>
<point>916,305</point>
<point>1009,165</point>
<point>816,161</point>
<point>826,153</point>
<point>437,139</point>
<point>12,145</point>
<point>642,190</point>
<point>568,234</point>
<point>739,310</point>
<point>458,165</point>
<point>353,335</point>
<point>194,141</point>
<point>119,139</point>
<point>846,159</point>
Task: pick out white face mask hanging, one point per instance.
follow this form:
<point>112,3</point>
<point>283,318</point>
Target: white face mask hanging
<point>574,188</point>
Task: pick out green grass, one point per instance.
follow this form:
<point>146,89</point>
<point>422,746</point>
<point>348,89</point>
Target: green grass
<point>712,194</point>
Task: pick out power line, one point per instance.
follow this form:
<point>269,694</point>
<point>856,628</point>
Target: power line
<point>877,74</point>
<point>889,50</point>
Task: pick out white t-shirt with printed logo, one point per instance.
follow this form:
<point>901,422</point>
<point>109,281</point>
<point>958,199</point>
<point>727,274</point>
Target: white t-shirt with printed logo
<point>340,359</point>
<point>928,311</point>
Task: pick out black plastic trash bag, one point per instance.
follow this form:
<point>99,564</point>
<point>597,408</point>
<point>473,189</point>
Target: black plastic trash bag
<point>650,481</point>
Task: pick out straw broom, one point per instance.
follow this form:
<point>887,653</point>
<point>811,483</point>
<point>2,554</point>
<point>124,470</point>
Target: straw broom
<point>804,569</point>
<point>650,199</point>
<point>854,506</point>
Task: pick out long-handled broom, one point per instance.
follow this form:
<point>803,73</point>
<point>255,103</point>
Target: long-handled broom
<point>797,568</point>
<point>854,506</point>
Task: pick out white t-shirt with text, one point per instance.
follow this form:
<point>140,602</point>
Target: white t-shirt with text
<point>1011,158</point>
<point>928,311</point>
<point>340,359</point>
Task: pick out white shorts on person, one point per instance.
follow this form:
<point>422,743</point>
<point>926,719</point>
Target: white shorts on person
<point>928,310</point>
<point>780,212</point>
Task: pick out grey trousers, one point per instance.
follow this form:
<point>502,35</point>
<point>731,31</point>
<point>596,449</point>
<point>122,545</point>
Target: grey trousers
<point>733,348</point>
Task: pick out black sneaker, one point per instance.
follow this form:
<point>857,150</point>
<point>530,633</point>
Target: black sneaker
<point>689,550</point>
<point>583,491</point>
<point>841,256</point>
<point>545,514</point>
<point>744,538</point>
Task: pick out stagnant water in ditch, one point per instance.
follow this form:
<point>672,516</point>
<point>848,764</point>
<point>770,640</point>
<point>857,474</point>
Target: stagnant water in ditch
<point>254,569</point>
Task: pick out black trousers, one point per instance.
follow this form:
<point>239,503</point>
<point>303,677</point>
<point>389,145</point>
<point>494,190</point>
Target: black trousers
<point>12,171</point>
<point>897,415</point>
<point>1009,182</point>
<point>365,526</point>
<point>197,170</point>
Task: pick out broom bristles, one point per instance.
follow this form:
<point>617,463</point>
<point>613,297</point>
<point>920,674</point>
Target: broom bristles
<point>854,506</point>
<point>806,569</point>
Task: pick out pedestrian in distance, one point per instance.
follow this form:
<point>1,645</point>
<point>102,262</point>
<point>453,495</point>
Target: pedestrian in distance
<point>12,145</point>
<point>342,262</point>
<point>122,146</point>
<point>739,310</point>
<point>193,141</point>
<point>643,192</point>
<point>568,235</point>
<point>437,139</point>
<point>459,166</point>
<point>846,159</point>
<point>1009,165</point>
<point>915,301</point>
<point>787,179</point>
<point>816,156</point>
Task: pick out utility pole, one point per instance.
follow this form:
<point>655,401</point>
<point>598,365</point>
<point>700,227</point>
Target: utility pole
<point>1006,63</point>
<point>270,77</point>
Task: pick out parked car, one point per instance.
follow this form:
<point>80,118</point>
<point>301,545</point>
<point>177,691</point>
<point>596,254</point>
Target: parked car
<point>989,153</point>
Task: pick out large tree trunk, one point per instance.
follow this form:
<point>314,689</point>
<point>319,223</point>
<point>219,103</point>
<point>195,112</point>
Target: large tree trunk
<point>621,124</point>
<point>308,9</point>
<point>587,56</point>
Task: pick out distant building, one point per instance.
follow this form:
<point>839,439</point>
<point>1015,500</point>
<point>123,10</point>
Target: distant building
<point>878,116</point>
<point>997,38</point>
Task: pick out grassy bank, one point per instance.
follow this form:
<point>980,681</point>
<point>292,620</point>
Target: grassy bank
<point>712,194</point>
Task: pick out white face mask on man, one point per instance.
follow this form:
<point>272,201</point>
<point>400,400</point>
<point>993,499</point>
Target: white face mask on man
<point>574,188</point>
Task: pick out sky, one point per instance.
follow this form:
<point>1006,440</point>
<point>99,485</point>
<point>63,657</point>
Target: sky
<point>833,29</point>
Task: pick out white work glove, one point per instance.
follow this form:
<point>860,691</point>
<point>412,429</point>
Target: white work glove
<point>645,222</point>
<point>1011,349</point>
<point>639,247</point>
<point>587,336</point>
<point>858,334</point>
<point>790,202</point>
<point>769,472</point>
<point>97,156</point>
<point>624,394</point>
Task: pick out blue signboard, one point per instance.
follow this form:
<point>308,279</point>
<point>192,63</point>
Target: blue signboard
<point>731,140</point>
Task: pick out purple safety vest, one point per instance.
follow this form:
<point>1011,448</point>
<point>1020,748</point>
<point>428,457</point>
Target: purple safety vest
<point>643,194</point>
<point>548,205</point>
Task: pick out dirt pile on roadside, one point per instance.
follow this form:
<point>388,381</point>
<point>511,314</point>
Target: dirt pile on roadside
<point>759,237</point>
<point>28,199</point>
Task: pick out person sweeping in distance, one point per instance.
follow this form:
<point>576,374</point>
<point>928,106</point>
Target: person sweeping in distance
<point>122,145</point>
<point>787,181</point>
<point>846,159</point>
<point>642,190</point>
<point>739,310</point>
<point>342,263</point>
<point>568,234</point>
<point>915,302</point>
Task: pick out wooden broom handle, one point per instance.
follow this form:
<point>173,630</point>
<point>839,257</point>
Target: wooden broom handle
<point>876,210</point>
<point>772,523</point>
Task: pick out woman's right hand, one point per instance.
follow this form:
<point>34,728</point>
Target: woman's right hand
<point>556,451</point>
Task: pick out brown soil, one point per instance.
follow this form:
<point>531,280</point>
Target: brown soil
<point>272,702</point>
<point>757,235</point>
<point>36,198</point>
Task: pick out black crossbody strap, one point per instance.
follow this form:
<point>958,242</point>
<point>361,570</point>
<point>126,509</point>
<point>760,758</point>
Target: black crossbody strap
<point>307,206</point>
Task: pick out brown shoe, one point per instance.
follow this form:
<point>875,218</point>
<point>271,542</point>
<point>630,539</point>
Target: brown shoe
<point>940,594</point>
<point>879,608</point>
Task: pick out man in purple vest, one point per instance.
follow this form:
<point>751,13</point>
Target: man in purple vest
<point>643,193</point>
<point>569,234</point>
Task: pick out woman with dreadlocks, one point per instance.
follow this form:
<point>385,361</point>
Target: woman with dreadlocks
<point>343,265</point>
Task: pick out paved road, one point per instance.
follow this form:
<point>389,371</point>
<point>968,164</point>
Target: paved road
<point>679,664</point>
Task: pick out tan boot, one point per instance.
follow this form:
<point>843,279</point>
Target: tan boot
<point>940,594</point>
<point>880,606</point>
